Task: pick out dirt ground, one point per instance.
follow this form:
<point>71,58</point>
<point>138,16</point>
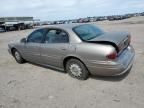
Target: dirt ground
<point>31,86</point>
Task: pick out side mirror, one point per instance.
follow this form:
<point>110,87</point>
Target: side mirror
<point>23,40</point>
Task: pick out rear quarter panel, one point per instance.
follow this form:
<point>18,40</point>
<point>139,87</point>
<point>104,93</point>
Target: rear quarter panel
<point>93,52</point>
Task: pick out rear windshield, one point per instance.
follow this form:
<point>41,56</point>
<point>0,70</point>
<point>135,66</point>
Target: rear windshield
<point>87,32</point>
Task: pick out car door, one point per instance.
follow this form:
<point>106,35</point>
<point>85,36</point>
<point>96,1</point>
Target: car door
<point>55,47</point>
<point>32,46</point>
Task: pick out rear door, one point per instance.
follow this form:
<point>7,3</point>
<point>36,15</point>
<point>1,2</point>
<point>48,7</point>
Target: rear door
<point>32,46</point>
<point>55,47</point>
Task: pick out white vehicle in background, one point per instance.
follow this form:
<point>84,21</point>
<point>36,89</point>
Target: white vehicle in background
<point>16,23</point>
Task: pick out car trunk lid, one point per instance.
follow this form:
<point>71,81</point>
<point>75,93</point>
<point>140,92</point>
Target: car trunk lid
<point>120,40</point>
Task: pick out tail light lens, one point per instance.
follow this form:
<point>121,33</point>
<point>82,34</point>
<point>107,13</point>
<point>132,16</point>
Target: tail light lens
<point>112,55</point>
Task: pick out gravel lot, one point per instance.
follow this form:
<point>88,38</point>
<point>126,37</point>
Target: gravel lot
<point>31,86</point>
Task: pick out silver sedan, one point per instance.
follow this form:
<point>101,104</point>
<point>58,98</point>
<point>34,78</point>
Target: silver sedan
<point>79,49</point>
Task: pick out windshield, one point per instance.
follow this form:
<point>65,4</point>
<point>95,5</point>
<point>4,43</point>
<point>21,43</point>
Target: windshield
<point>87,32</point>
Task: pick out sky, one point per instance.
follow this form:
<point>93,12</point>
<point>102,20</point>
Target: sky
<point>68,9</point>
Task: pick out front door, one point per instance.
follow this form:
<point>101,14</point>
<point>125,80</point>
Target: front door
<point>32,46</point>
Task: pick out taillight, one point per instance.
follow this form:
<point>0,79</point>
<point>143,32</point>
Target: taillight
<point>112,55</point>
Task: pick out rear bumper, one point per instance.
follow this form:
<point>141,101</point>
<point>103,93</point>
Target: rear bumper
<point>113,68</point>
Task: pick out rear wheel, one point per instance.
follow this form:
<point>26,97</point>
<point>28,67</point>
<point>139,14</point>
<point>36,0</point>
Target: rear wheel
<point>18,57</point>
<point>77,69</point>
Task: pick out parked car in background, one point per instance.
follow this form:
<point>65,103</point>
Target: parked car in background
<point>79,49</point>
<point>2,29</point>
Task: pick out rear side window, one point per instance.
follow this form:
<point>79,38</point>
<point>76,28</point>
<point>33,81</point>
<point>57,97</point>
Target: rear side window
<point>56,36</point>
<point>36,36</point>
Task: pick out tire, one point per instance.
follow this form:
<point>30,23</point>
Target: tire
<point>77,69</point>
<point>18,57</point>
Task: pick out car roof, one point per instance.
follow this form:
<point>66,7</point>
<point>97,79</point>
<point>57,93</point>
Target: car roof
<point>64,26</point>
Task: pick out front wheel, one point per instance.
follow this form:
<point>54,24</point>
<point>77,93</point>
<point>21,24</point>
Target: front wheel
<point>77,69</point>
<point>18,57</point>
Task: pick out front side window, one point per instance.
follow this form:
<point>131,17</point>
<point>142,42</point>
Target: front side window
<point>56,36</point>
<point>87,32</point>
<point>36,37</point>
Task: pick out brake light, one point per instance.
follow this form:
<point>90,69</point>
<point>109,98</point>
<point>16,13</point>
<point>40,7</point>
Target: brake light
<point>112,55</point>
